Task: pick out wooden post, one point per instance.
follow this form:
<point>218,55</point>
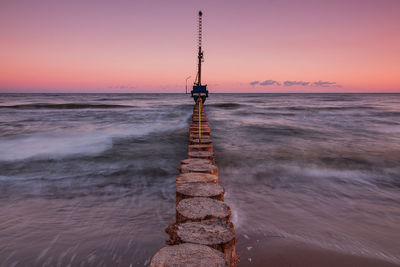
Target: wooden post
<point>189,190</point>
<point>201,208</point>
<point>194,177</point>
<point>215,233</point>
<point>203,168</point>
<point>188,255</point>
<point>202,234</point>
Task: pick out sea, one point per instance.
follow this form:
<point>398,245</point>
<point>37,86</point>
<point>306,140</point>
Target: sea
<point>89,179</point>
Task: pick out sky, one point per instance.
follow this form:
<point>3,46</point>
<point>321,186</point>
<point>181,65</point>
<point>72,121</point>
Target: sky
<point>151,46</point>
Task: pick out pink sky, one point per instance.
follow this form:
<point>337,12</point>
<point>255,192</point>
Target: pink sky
<point>150,46</point>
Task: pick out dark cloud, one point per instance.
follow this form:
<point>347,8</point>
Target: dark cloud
<point>290,83</point>
<point>254,83</point>
<point>325,84</point>
<point>270,82</point>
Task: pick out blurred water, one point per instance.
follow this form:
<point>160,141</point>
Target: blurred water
<point>317,168</point>
<point>88,179</point>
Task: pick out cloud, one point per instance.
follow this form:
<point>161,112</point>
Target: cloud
<point>290,83</point>
<point>254,83</point>
<point>326,84</point>
<point>121,87</point>
<point>270,82</point>
<point>298,83</point>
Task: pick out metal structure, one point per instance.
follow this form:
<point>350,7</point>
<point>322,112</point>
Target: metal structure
<point>199,90</point>
<point>187,78</point>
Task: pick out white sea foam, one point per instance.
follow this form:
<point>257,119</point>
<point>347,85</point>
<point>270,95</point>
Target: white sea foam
<point>64,143</point>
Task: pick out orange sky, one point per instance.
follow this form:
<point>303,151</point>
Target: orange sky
<point>150,46</point>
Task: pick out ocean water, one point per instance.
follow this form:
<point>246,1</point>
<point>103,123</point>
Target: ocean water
<point>89,179</point>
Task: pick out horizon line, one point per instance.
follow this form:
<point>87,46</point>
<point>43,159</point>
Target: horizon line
<point>339,92</point>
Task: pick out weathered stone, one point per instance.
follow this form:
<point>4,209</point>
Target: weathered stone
<point>184,255</point>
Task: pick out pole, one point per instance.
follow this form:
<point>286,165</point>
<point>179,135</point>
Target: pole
<point>186,82</point>
<point>200,53</point>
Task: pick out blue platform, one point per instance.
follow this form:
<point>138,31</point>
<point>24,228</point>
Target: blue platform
<point>199,90</point>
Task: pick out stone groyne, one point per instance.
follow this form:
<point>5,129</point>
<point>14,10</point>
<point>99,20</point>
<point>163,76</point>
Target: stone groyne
<point>202,234</point>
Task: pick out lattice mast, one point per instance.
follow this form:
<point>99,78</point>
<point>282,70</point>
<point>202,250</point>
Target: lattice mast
<point>200,55</point>
<point>199,90</point>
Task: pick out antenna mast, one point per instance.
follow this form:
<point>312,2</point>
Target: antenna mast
<point>198,89</point>
<point>200,54</point>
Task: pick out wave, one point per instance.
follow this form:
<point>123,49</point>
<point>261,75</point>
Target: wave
<point>269,114</point>
<point>266,131</point>
<point>65,106</point>
<point>226,105</point>
<point>72,143</point>
<point>387,114</point>
<point>330,108</point>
